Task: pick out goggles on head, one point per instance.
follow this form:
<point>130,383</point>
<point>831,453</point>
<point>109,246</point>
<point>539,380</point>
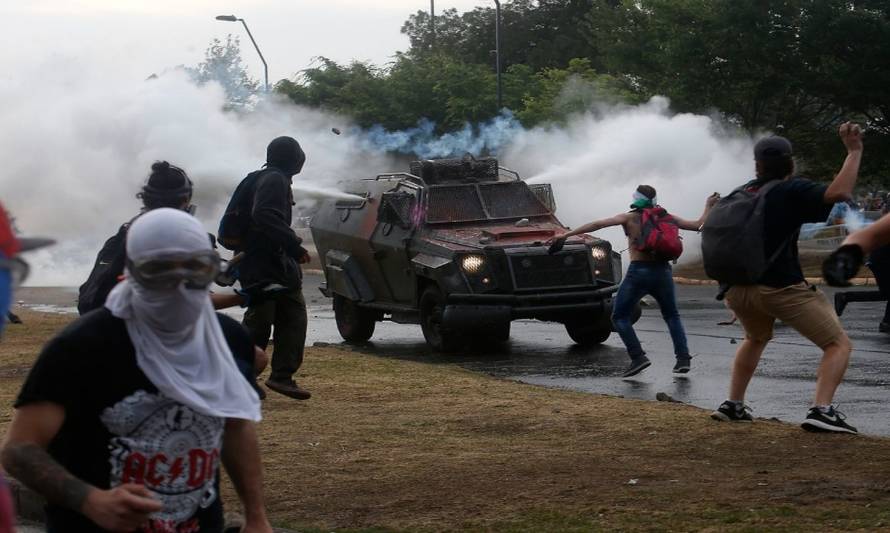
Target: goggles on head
<point>196,270</point>
<point>18,270</point>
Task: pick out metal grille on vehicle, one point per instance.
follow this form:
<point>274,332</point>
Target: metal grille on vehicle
<point>550,271</point>
<point>511,199</point>
<point>454,204</point>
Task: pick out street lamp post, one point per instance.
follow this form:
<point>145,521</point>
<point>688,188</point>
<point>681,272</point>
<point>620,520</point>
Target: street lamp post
<point>497,51</point>
<point>233,18</point>
<point>432,24</point>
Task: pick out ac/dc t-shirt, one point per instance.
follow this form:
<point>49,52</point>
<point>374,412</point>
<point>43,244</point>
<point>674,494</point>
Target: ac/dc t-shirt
<point>120,429</point>
<point>789,204</point>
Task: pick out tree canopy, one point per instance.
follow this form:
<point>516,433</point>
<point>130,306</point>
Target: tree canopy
<point>797,67</point>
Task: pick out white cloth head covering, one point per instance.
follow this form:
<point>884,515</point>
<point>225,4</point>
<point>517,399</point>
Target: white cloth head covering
<point>179,343</point>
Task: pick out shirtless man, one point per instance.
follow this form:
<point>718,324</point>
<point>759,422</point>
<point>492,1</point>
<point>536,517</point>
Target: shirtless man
<point>647,274</point>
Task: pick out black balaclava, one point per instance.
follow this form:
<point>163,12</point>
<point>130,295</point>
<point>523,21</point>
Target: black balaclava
<point>285,154</point>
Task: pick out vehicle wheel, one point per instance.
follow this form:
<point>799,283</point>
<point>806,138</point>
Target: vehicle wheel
<point>590,332</point>
<point>354,323</point>
<point>432,308</point>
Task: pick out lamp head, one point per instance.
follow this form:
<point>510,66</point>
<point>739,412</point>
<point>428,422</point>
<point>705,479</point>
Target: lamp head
<point>227,18</point>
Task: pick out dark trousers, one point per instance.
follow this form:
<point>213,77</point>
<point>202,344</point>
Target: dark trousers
<point>287,312</point>
<point>879,262</point>
<point>656,279</point>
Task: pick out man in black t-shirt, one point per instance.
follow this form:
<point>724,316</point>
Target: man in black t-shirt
<point>126,415</point>
<point>782,292</point>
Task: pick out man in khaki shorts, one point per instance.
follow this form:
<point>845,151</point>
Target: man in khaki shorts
<point>782,292</point>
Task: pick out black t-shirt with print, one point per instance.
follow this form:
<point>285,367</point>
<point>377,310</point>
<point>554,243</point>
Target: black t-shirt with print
<point>119,429</point>
<point>788,205</point>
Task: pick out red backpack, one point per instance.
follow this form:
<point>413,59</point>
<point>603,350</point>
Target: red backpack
<point>659,234</point>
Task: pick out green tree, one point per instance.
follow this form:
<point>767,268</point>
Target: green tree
<point>222,64</point>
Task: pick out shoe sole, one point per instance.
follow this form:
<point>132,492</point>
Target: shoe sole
<point>684,370</point>
<point>717,415</point>
<point>637,370</point>
<point>817,426</point>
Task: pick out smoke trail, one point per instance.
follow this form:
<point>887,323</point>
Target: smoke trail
<point>422,141</point>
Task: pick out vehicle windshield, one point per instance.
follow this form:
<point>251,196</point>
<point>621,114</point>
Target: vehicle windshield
<point>481,202</point>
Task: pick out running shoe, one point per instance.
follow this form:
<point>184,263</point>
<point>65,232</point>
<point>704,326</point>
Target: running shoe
<point>831,421</point>
<point>732,412</point>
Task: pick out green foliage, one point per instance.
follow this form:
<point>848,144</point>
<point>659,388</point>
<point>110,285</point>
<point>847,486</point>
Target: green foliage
<point>223,64</point>
<point>796,67</point>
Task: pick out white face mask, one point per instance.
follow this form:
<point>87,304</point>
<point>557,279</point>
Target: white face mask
<point>179,343</point>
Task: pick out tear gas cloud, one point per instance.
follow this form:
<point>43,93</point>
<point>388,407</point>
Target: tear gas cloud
<point>82,146</point>
<point>78,146</point>
<point>596,162</point>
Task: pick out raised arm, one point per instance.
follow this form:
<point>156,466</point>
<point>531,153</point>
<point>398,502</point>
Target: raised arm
<point>590,227</point>
<point>695,225</point>
<point>841,188</point>
<point>241,457</point>
<point>24,456</point>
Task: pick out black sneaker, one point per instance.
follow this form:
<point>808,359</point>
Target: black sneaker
<point>683,365</point>
<point>731,412</point>
<point>884,327</point>
<point>832,421</point>
<point>840,303</point>
<point>636,366</point>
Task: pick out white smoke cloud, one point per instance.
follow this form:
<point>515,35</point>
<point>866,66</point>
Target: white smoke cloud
<point>79,145</point>
<point>596,162</point>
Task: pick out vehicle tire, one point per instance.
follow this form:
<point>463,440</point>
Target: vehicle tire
<point>590,332</point>
<point>432,308</point>
<point>354,323</point>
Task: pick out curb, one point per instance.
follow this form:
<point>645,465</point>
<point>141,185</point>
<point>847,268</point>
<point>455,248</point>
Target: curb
<point>858,282</point>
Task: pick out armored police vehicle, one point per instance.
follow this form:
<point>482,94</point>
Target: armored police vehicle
<point>458,246</point>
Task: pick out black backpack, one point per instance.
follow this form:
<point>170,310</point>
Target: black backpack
<point>235,222</point>
<point>106,272</point>
<point>732,237</point>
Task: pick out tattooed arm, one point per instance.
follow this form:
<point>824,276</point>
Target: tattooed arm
<point>25,457</point>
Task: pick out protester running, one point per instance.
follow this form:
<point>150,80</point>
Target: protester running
<point>780,204</point>
<point>125,416</point>
<point>653,242</point>
<point>257,223</point>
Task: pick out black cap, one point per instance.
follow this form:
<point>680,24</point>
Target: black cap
<point>774,147</point>
<point>285,154</point>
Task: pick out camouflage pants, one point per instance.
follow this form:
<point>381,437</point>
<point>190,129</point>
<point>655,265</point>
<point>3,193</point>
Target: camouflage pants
<point>287,313</point>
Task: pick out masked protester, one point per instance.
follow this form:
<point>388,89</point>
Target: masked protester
<point>649,272</point>
<point>124,418</point>
<point>273,254</point>
<point>13,271</point>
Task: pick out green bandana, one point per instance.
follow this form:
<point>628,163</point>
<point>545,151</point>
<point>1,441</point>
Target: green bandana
<point>641,203</point>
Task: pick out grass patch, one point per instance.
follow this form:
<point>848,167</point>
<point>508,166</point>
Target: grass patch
<point>387,445</point>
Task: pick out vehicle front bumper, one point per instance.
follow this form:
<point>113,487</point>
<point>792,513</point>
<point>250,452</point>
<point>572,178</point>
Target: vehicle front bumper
<point>479,311</point>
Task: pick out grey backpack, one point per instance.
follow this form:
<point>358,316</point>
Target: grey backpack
<point>732,240</point>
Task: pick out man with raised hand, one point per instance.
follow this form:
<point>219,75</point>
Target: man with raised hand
<point>781,292</point>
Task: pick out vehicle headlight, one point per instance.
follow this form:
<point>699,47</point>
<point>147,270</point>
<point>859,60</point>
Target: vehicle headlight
<point>472,264</point>
<point>599,253</point>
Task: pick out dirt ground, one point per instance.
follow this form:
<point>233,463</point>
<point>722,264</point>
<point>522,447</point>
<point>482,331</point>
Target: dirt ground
<point>391,445</point>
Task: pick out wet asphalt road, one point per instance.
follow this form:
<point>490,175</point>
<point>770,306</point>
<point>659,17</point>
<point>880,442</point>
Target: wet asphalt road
<point>542,353</point>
